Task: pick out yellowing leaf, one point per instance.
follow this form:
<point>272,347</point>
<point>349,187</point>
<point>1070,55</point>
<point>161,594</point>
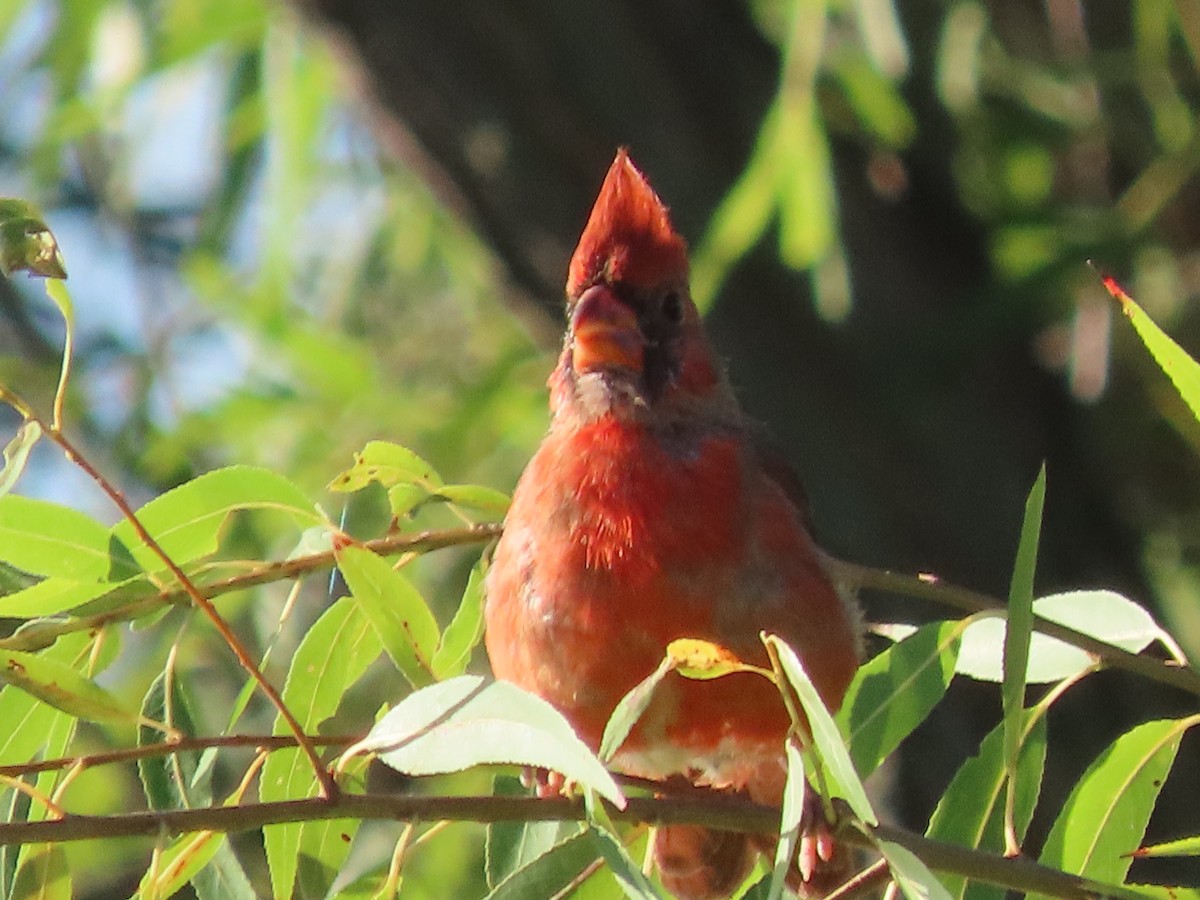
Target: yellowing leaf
<point>704,660</point>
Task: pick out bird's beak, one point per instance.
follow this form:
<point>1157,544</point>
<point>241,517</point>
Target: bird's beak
<point>605,334</point>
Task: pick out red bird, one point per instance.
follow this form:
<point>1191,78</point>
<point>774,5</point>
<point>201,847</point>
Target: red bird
<point>647,515</point>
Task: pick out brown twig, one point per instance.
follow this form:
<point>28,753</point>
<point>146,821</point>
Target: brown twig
<point>718,811</point>
<point>37,635</point>
<point>165,748</point>
<point>328,787</point>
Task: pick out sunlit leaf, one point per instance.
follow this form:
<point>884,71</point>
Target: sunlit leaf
<point>894,691</point>
<point>179,863</point>
<point>631,708</point>
<point>43,874</point>
<point>465,630</point>
<point>46,538</point>
<point>187,520</point>
<point>1104,820</point>
<point>704,660</point>
<point>550,872</point>
<point>396,611</point>
<point>477,497</point>
<point>465,722</point>
<point>1188,846</point>
<point>16,454</point>
<point>62,687</point>
<point>389,464</point>
<point>1183,371</point>
<point>628,874</point>
<point>513,845</point>
<point>790,820</point>
<point>911,875</point>
<point>971,811</point>
<point>831,750</point>
<point>334,654</point>
<point>1104,615</point>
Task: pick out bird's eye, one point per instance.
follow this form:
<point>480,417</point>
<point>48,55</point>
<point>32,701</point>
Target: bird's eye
<point>672,307</point>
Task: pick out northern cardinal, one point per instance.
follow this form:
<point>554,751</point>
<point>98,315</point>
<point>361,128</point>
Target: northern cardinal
<point>647,514</point>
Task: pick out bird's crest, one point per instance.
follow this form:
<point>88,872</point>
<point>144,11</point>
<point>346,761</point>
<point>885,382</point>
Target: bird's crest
<point>628,236</point>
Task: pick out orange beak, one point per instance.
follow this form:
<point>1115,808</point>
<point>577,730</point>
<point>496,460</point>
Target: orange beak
<point>605,333</point>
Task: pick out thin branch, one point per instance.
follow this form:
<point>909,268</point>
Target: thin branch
<point>727,813</point>
<point>328,786</point>
<point>166,748</point>
<point>947,594</point>
<point>39,634</point>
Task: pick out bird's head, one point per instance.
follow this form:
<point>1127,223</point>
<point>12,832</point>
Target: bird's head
<point>635,343</point>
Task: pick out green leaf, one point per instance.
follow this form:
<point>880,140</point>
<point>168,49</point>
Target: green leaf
<point>465,630</point>
<point>179,863</point>
<point>912,876</point>
<point>187,520</point>
<point>27,721</point>
<point>629,876</point>
<point>893,693</point>
<point>45,538</point>
<point>169,781</point>
<point>831,750</point>
<point>333,655</point>
<point>43,874</point>
<point>1104,615</point>
<point>395,609</point>
<point>62,687</point>
<point>1104,820</point>
<point>1018,634</point>
<point>50,597</point>
<point>477,497</point>
<point>789,823</point>
<point>630,709</point>
<point>971,813</point>
<point>551,872</point>
<point>464,722</point>
<point>26,242</point>
<point>1188,846</point>
<point>1183,371</point>
<point>513,845</point>
<point>16,454</point>
<point>389,464</point>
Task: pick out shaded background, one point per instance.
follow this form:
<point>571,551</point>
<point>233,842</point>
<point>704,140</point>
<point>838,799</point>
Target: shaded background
<point>294,228</point>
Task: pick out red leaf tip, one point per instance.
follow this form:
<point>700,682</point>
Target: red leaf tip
<point>628,236</point>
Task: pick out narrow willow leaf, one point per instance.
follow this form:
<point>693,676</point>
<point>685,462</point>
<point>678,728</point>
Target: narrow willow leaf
<point>187,520</point>
<point>477,497</point>
<point>389,464</point>
<point>789,823</point>
<point>703,660</point>
<point>629,875</point>
<point>1188,846</point>
<point>971,811</point>
<point>48,539</point>
<point>334,654</point>
<point>1104,820</point>
<point>1167,892</point>
<point>830,748</point>
<point>179,863</point>
<point>43,874</point>
<point>911,875</point>
<point>52,596</point>
<point>16,454</point>
<point>630,709</point>
<point>464,722</point>
<point>28,721</point>
<point>396,611</point>
<point>513,845</point>
<point>465,630</point>
<point>893,692</point>
<point>169,781</point>
<point>1183,371</point>
<point>1017,639</point>
<point>62,687</point>
<point>551,872</point>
